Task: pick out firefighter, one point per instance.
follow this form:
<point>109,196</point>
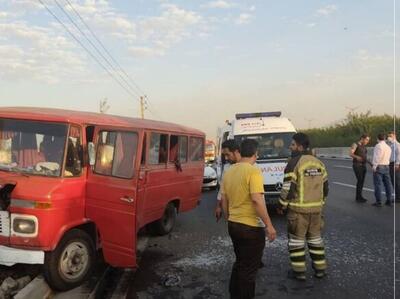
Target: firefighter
<point>303,195</point>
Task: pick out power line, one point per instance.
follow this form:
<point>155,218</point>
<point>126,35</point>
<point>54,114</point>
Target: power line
<point>152,110</point>
<point>94,46</point>
<point>88,51</point>
<point>103,47</point>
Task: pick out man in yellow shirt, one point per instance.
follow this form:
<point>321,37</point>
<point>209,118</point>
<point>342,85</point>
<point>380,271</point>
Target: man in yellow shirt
<point>231,152</point>
<point>243,204</point>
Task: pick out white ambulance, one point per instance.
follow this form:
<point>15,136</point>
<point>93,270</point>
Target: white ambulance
<point>274,135</point>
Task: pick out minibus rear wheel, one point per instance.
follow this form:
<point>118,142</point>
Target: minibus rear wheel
<point>71,263</point>
<point>165,225</point>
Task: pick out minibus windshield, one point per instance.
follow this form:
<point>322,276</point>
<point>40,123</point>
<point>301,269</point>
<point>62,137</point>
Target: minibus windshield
<point>32,147</point>
<point>271,145</point>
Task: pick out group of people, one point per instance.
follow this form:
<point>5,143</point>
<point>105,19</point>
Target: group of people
<point>385,166</point>
<point>241,201</point>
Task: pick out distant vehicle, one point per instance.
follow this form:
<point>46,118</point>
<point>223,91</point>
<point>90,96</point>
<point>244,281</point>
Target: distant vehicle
<point>210,151</point>
<point>273,134</point>
<point>210,179</point>
<point>73,182</point>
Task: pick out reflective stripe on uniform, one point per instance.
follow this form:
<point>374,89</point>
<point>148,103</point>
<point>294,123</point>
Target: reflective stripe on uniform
<point>318,252</point>
<point>323,262</point>
<point>299,253</point>
<point>296,244</point>
<point>283,203</point>
<point>307,205</point>
<point>290,175</point>
<point>316,241</point>
<point>298,264</point>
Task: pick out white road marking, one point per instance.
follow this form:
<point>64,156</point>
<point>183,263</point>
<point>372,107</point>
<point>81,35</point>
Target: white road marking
<point>352,186</point>
<point>343,166</point>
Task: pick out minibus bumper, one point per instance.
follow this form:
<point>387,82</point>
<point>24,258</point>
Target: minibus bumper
<point>11,256</point>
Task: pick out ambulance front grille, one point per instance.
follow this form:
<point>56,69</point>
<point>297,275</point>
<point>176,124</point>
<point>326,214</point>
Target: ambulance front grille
<point>4,224</point>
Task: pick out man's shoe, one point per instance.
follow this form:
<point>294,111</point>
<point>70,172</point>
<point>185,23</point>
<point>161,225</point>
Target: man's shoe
<point>300,276</point>
<point>388,203</point>
<point>320,274</point>
<point>377,204</point>
<point>361,199</point>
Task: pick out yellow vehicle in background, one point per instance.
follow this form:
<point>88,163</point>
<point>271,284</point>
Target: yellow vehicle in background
<point>210,151</point>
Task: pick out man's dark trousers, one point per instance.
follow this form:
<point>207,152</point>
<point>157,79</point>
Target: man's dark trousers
<point>248,243</point>
<point>395,179</point>
<point>360,170</point>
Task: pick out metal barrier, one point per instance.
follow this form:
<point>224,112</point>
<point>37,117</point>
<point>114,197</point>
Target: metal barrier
<point>338,152</point>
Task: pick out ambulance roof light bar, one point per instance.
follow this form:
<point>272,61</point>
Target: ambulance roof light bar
<point>258,114</point>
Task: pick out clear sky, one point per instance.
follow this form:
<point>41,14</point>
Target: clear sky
<point>200,62</point>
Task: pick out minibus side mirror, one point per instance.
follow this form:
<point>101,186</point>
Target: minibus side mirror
<point>92,153</point>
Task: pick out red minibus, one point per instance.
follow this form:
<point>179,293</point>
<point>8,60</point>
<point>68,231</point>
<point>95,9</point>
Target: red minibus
<point>74,182</point>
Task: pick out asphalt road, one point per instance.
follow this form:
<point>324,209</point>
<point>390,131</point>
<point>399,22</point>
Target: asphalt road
<point>198,255</point>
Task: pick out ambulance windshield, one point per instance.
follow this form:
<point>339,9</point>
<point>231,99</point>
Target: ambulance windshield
<point>271,145</point>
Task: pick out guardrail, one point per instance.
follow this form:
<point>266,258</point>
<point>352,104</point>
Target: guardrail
<point>338,152</point>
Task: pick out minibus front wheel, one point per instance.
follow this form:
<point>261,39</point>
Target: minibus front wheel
<point>72,261</point>
<point>165,225</point>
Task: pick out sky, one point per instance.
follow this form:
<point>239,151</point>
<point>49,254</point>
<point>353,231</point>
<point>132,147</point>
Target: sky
<point>201,62</point>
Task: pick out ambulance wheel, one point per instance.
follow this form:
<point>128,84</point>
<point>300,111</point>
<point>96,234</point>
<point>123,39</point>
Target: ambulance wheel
<point>71,263</point>
<point>165,225</point>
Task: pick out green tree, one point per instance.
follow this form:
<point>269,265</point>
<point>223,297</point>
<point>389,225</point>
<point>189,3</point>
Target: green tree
<point>345,132</point>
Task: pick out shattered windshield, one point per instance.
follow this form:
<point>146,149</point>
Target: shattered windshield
<point>270,146</point>
<point>32,147</point>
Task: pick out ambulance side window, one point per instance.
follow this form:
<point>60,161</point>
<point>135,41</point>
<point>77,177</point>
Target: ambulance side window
<point>225,137</point>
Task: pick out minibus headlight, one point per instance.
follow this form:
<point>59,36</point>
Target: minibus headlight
<point>24,226</point>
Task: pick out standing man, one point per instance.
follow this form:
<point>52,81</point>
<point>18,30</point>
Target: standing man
<point>394,166</point>
<point>304,191</point>
<point>231,153</point>
<point>243,204</point>
<point>358,152</point>
<point>380,167</point>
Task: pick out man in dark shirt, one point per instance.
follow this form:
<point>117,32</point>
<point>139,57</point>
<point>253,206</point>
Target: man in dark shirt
<point>358,152</point>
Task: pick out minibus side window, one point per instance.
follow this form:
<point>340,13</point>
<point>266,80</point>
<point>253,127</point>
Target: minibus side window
<point>158,153</point>
<point>196,149</point>
<point>183,149</point>
<point>143,160</point>
<point>178,148</point>
<point>74,159</point>
<point>173,148</point>
<point>116,153</point>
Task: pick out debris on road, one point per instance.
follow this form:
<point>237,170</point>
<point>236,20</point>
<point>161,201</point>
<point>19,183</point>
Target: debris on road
<point>10,286</point>
<point>171,280</point>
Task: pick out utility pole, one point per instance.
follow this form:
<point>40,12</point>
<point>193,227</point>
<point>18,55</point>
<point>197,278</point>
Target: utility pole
<point>142,107</point>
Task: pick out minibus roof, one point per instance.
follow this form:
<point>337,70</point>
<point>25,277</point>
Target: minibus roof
<point>91,118</point>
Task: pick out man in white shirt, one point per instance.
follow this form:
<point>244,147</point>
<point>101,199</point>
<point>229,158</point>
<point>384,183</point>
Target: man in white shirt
<point>394,165</point>
<point>380,167</point>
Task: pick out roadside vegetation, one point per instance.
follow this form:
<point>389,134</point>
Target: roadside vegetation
<point>349,130</point>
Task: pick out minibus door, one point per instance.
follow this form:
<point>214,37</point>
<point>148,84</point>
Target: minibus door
<point>111,195</point>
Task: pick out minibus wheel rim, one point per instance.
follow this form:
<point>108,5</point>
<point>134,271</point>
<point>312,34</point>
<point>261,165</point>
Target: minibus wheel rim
<point>74,261</point>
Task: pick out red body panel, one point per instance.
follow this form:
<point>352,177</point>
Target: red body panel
<point>97,198</point>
